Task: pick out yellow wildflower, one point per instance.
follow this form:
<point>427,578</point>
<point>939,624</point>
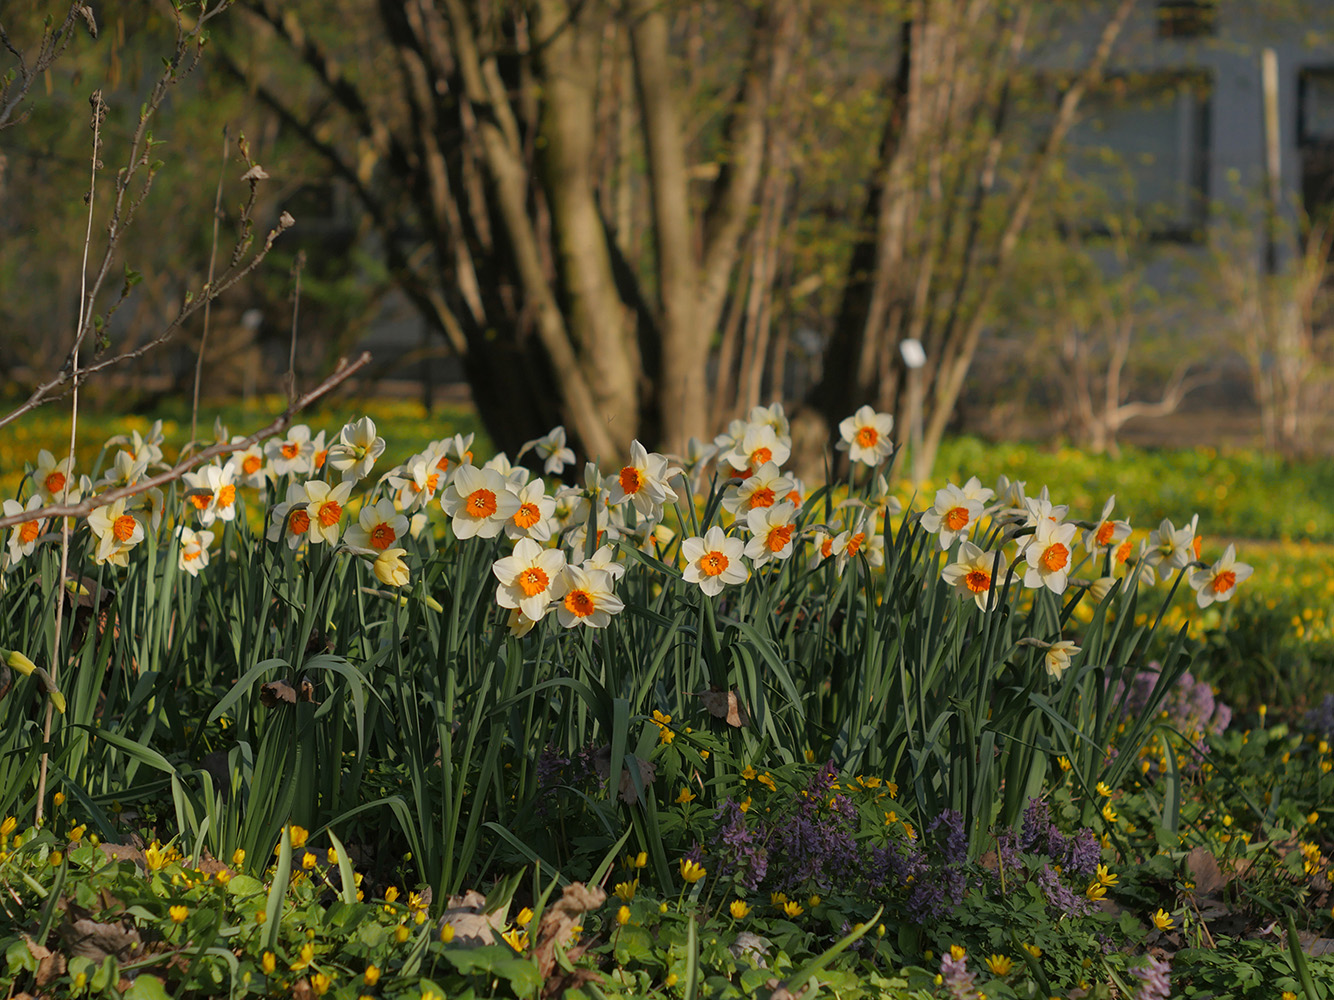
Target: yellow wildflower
<point>1000,965</point>
<point>691,871</point>
<point>739,909</point>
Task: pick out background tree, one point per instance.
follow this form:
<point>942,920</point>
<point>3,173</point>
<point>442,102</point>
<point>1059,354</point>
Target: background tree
<point>578,210</point>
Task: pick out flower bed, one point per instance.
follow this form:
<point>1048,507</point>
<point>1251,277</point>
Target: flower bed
<point>692,726</point>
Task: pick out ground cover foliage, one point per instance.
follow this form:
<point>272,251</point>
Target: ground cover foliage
<point>325,725</point>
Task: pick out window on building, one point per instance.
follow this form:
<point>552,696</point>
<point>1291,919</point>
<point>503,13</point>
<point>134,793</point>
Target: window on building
<point>1315,139</point>
<point>1142,146</point>
<point>1187,18</point>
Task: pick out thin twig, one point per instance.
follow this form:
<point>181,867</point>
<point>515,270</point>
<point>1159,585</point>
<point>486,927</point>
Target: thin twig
<point>208,297</point>
<point>99,112</point>
<point>85,507</point>
<point>297,268</point>
<point>124,207</point>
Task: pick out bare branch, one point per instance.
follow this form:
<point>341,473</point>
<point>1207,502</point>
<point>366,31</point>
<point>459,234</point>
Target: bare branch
<point>344,372</point>
<point>53,43</point>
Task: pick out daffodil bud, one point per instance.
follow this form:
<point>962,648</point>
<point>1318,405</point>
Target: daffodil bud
<point>390,569</point>
<point>1101,587</point>
<point>21,663</point>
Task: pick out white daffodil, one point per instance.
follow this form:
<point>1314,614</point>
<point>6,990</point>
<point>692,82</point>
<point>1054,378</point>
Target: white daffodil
<point>415,482</point>
<point>51,477</point>
<point>151,505</point>
<point>952,515</point>
<point>288,520</point>
<point>193,553</point>
<point>324,507</point>
<point>861,537</point>
<point>535,516</point>
<point>1219,581</point>
<point>758,445</point>
<point>865,436</point>
<point>1108,534</point>
<point>249,466</point>
<point>771,530</point>
<point>293,455</point>
<point>1048,556</point>
<point>515,475</point>
<point>116,532</point>
<point>1010,492</point>
<point>527,577</point>
<point>212,493</point>
<point>479,502</point>
<point>822,546</point>
<point>125,470</point>
<point>1040,510</point>
<point>552,450</point>
<point>584,597</point>
<point>519,624</point>
<point>730,438</point>
<point>714,561</point>
<point>643,482</point>
<point>764,488</point>
<point>319,454</point>
<point>972,574</point>
<point>606,529</point>
<point>357,449</point>
<point>23,536</point>
<point>604,559</point>
<point>1057,658</point>
<point>774,416</point>
<point>378,527</point>
<point>1169,549</point>
<point>447,454</point>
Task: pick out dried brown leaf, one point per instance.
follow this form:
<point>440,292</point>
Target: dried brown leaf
<point>473,926</point>
<point>1204,871</point>
<point>648,771</point>
<point>724,705</point>
<point>559,920</point>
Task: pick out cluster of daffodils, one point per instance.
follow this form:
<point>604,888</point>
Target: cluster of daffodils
<point>1002,535</point>
<point>548,563</point>
<point>551,566</point>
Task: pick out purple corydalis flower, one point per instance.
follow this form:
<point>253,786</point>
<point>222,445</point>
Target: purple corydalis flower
<point>1154,983</point>
<point>954,971</point>
<point>741,852</point>
<point>1059,897</point>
